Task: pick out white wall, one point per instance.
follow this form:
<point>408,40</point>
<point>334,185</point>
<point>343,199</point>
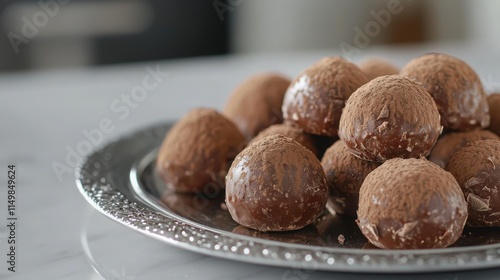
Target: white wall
<point>277,25</point>
<point>484,21</point>
<point>262,25</point>
<point>448,19</point>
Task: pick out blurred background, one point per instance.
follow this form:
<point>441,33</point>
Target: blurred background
<point>38,34</point>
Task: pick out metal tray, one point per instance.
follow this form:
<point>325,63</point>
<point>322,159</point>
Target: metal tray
<point>119,181</point>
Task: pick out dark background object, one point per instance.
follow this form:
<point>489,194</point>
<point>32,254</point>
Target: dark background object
<point>96,32</point>
<point>179,29</point>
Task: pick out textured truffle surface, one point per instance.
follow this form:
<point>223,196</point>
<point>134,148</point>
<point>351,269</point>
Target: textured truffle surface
<point>450,143</point>
<point>292,132</point>
<point>315,98</point>
<point>198,150</point>
<point>457,89</point>
<point>477,169</point>
<point>256,103</point>
<point>411,204</point>
<point>276,184</point>
<point>376,67</point>
<point>344,175</point>
<point>494,105</point>
<point>390,116</point>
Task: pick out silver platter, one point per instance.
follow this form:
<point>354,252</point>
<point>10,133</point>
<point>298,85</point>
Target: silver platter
<point>118,180</point>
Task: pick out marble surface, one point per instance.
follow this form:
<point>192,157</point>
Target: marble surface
<point>46,118</point>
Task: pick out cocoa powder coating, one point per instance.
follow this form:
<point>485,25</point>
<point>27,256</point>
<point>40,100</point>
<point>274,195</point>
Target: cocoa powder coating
<point>256,103</point>
<point>450,143</point>
<point>455,86</point>
<point>494,105</point>
<point>294,133</point>
<point>198,150</point>
<point>390,116</point>
<point>411,204</point>
<point>344,175</point>
<point>315,98</point>
<point>376,67</point>
<point>276,184</point>
<point>477,169</point>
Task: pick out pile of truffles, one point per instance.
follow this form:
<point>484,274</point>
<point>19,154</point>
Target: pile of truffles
<point>405,153</point>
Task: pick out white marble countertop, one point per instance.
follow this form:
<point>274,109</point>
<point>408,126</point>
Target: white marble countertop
<point>44,115</point>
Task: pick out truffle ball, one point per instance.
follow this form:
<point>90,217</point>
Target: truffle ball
<point>494,105</point>
<point>411,204</point>
<point>344,175</point>
<point>447,145</point>
<point>315,98</point>
<point>276,184</point>
<point>295,133</point>
<point>477,169</point>
<point>376,67</point>
<point>390,116</point>
<point>457,89</point>
<point>198,150</point>
<point>256,103</point>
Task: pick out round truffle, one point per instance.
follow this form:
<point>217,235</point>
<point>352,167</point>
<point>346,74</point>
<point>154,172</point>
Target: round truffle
<point>198,150</point>
<point>315,98</point>
<point>344,175</point>
<point>276,184</point>
<point>376,67</point>
<point>477,169</point>
<point>390,116</point>
<point>457,89</point>
<point>411,204</point>
<point>451,142</point>
<point>494,105</point>
<point>295,133</point>
<point>256,103</point>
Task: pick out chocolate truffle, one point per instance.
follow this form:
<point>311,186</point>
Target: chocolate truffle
<point>494,105</point>
<point>447,145</point>
<point>295,133</point>
<point>315,98</point>
<point>477,169</point>
<point>411,204</point>
<point>457,89</point>
<point>256,103</point>
<point>390,116</point>
<point>376,67</point>
<point>344,175</point>
<point>198,150</point>
<point>276,184</point>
